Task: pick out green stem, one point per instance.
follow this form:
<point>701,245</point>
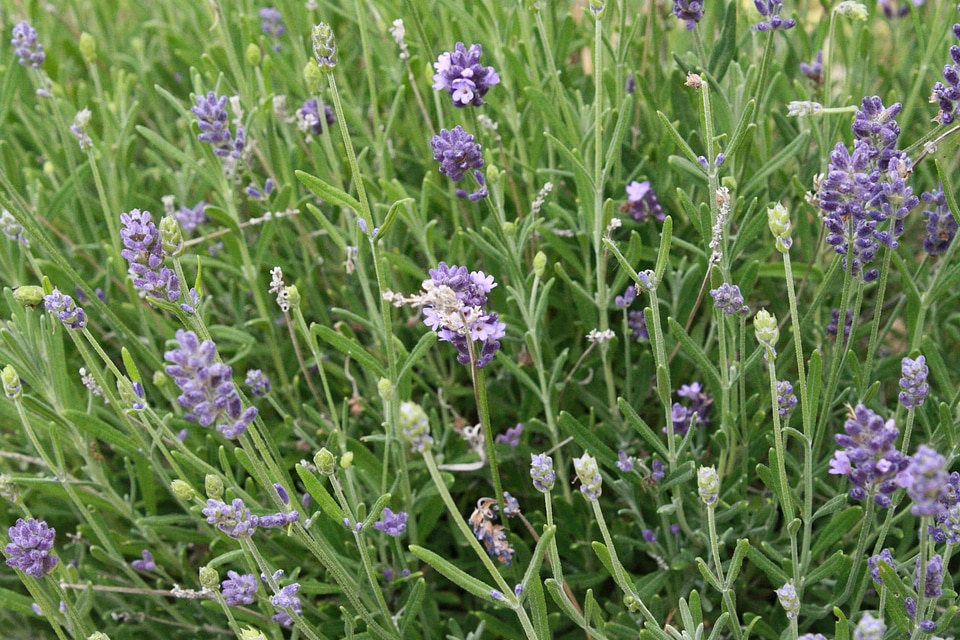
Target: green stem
<point>729,605</point>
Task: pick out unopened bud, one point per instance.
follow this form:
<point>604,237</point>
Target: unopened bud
<point>213,485</point>
<point>11,383</point>
<point>324,47</point>
<point>182,490</point>
<point>384,388</point>
<point>326,462</point>
<point>591,482</point>
<point>708,485</point>
<point>252,634</point>
<point>253,55</point>
<point>415,427</point>
<point>346,460</point>
<point>852,10</point>
<point>98,635</point>
<point>539,264</point>
<point>88,47</point>
<point>778,218</point>
<point>171,237</point>
<point>28,295</point>
<point>312,75</point>
<point>293,296</point>
<point>767,332</point>
<point>209,577</point>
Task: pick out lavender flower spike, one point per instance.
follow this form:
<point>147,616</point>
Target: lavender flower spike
<point>460,74</point>
<point>728,297</point>
<point>63,307</point>
<point>770,9</point>
<point>456,152</point>
<point>239,589</point>
<point>26,46</point>
<point>541,472</point>
<point>31,542</point>
<point>913,383</point>
<point>926,481</point>
<point>642,202</point>
<point>786,399</point>
<point>211,115</point>
<point>941,225</point>
<point>690,11</point>
<point>591,482</point>
<point>869,457</point>
<point>392,524</point>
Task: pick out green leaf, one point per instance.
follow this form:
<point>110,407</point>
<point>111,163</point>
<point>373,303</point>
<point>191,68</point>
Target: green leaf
<point>733,570</point>
<point>696,352</point>
<point>349,347</point>
<point>663,253</point>
<point>328,192</point>
<point>724,47</point>
<point>708,575</point>
<point>419,350</point>
<point>376,510</point>
<point>538,609</point>
<point>744,126</point>
<point>457,576</point>
<point>556,591</point>
<point>830,506</point>
<point>15,603</point>
<point>641,427</point>
<point>325,501</point>
<point>788,152</point>
<point>896,592</point>
<point>392,216</point>
<point>102,431</point>
<point>678,139</point>
<point>412,607</point>
<point>604,554</point>
<point>533,569</point>
<point>836,565</point>
<point>840,525</point>
<point>775,574</point>
<point>588,439</point>
<point>842,628</point>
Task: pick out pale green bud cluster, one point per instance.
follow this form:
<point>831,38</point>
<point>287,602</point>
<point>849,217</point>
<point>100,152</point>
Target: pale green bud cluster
<point>415,427</point>
<point>11,382</point>
<point>98,635</point>
<point>852,10</point>
<point>8,490</point>
<point>767,332</point>
<point>171,237</point>
<point>539,264</point>
<point>324,47</point>
<point>326,462</point>
<point>29,295</point>
<point>778,219</point>
<point>213,485</point>
<point>591,482</point>
<point>789,600</point>
<point>88,50</point>
<point>252,634</point>
<point>209,577</point>
<point>708,485</point>
<point>182,490</point>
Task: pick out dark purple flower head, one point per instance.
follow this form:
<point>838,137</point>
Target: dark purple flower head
<point>26,46</point>
<point>143,250</point>
<point>701,403</point>
<point>941,225</point>
<point>913,383</point>
<point>642,202</point>
<point>637,323</point>
<point>814,69</point>
<point>234,519</point>
<point>869,457</point>
<point>657,471</point>
<point>308,117</point>
<point>460,74</point>
<point>239,589</point>
<point>211,112</point>
<point>392,524</point>
<point>946,527</point>
<point>834,325</point>
<point>63,307</point>
<point>624,301</point>
<point>145,563</point>
<point>690,11</point>
<point>925,479</point>
<point>887,557</point>
<point>875,124</point>
<point>770,9</point>
<point>932,584</point>
<point>649,535</point>
<point>208,393</point>
<point>453,302</point>
<point>947,94</point>
<point>511,437</point>
<point>271,23</point>
<point>728,297</point>
<point>624,462</point>
<point>786,399</point>
<point>258,382</point>
<point>31,542</point>
<point>285,601</point>
<point>456,152</point>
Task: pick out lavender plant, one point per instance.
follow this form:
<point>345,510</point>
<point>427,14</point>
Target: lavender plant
<point>569,198</point>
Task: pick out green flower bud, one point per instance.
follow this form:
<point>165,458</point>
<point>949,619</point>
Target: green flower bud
<point>213,485</point>
<point>253,55</point>
<point>293,296</point>
<point>160,379</point>
<point>346,460</point>
<point>787,594</point>
<point>252,634</point>
<point>778,219</point>
<point>597,7</point>
<point>765,328</point>
<point>97,635</point>
<point>708,485</point>
<point>8,490</point>
<point>88,48</point>
<point>182,490</point>
<point>852,10</point>
<point>209,577</point>
<point>539,264</point>
<point>384,388</point>
<point>312,75</point>
<point>591,482</point>
<point>493,174</point>
<point>324,47</point>
<point>28,295</point>
<point>509,228</point>
<point>11,382</point>
<point>171,237</point>
<point>326,462</point>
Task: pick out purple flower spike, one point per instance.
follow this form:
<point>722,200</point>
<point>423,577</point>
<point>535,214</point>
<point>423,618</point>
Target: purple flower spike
<point>887,557</point>
<point>869,457</point>
<point>814,70</point>
<point>63,307</point>
<point>913,383</point>
<point>460,74</point>
<point>541,472</point>
<point>770,9</point>
<point>28,49</point>
<point>239,589</point>
<point>308,117</point>
<point>456,152</point>
<point>925,480</point>
<point>511,437</point>
<point>933,580</point>
<point>690,11</point>
<point>31,542</point>
<point>234,519</point>
<point>392,524</point>
<point>786,399</point>
<point>211,115</point>
<point>258,382</point>
<point>284,602</point>
<point>728,297</point>
<point>190,219</point>
<point>941,225</point>
<point>271,23</point>
<point>947,94</point>
<point>642,202</point>
<point>208,393</point>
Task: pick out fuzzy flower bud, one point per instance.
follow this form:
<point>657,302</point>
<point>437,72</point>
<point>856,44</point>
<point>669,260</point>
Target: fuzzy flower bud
<point>88,48</point>
<point>539,264</point>
<point>213,485</point>
<point>778,218</point>
<point>252,634</point>
<point>253,55</point>
<point>787,594</point>
<point>589,475</point>
<point>209,577</point>
<point>182,490</point>
<point>415,427</point>
<point>541,472</point>
<point>312,74</point>
<point>852,10</point>
<point>171,237</point>
<point>324,47</point>
<point>326,462</point>
<point>708,485</point>
<point>913,383</point>
<point>28,295</point>
<point>11,383</point>
<point>765,328</point>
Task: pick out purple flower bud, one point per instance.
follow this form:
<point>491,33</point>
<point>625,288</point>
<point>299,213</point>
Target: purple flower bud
<point>392,524</point>
<point>30,547</point>
<point>913,383</point>
<point>28,49</point>
<point>642,202</point>
<point>541,472</point>
<point>64,308</point>
<point>145,563</point>
<point>239,589</point>
<point>460,74</point>
<point>728,297</point>
<point>690,11</point>
<point>511,437</point>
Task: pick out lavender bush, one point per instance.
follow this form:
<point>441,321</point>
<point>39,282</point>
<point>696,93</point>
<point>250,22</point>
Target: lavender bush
<point>460,320</point>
